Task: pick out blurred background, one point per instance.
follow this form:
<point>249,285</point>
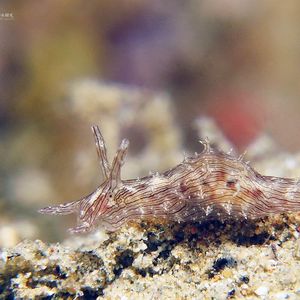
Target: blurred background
<point>145,70</point>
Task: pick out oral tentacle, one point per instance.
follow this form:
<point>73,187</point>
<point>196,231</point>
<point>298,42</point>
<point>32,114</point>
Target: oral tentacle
<point>61,209</point>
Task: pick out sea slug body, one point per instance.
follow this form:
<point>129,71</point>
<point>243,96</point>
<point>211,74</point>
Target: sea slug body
<point>210,185</point>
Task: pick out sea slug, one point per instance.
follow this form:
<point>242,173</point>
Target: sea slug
<point>210,185</point>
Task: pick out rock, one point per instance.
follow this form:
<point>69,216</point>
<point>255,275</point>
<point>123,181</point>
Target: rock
<point>262,291</point>
<point>281,296</point>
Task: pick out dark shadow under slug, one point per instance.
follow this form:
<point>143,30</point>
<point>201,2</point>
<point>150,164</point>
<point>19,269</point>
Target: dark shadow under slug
<point>210,185</point>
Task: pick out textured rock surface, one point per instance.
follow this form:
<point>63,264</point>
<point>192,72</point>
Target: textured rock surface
<point>153,261</point>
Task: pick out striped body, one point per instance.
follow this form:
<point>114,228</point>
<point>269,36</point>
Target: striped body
<point>210,185</point>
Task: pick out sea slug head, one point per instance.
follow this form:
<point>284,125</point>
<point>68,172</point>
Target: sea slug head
<point>93,208</point>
